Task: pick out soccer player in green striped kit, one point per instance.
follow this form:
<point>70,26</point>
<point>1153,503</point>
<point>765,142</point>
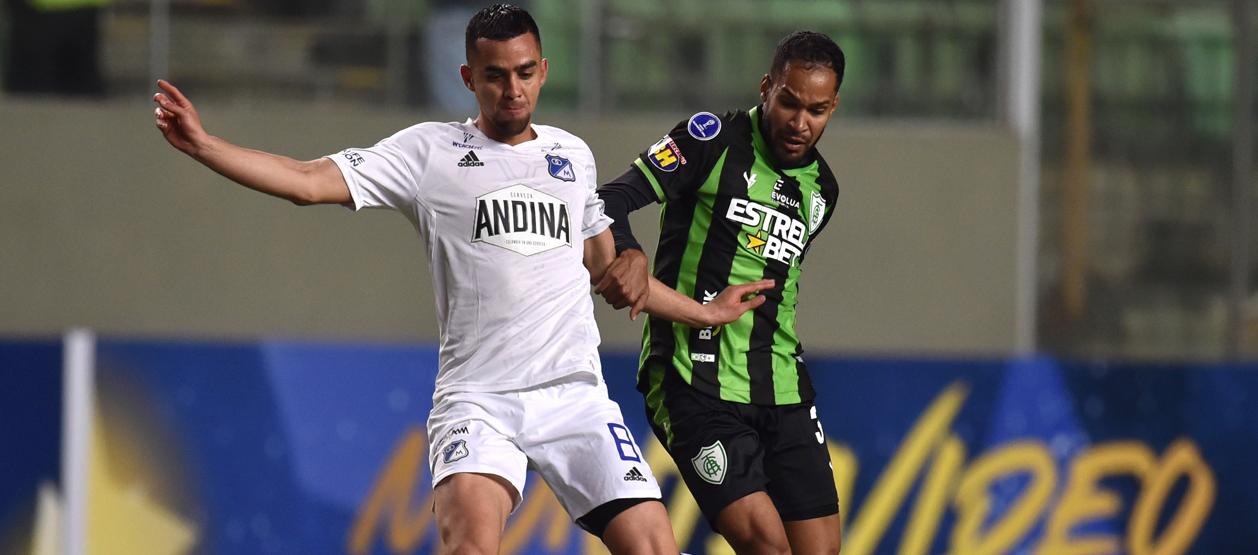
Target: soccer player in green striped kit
<point>743,195</point>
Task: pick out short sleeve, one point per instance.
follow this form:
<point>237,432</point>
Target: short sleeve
<point>677,164</point>
<point>594,220</point>
<point>386,175</point>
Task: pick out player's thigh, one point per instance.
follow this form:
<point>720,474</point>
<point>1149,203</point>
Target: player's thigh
<point>822,535</point>
<point>471,511</point>
<point>751,525</point>
<point>797,462</point>
<point>642,528</point>
<point>582,448</point>
<point>716,449</point>
<point>470,435</point>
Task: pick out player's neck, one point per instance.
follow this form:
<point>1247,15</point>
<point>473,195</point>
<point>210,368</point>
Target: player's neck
<point>497,135</point>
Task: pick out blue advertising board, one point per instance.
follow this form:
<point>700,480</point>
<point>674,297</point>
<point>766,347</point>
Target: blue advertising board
<point>30,436</point>
<point>281,447</point>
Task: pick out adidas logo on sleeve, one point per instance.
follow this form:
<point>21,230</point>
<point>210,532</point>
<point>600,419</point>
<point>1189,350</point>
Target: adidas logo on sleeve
<point>470,160</point>
<point>634,475</point>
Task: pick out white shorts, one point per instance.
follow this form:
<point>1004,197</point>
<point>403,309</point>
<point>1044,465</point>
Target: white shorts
<point>568,430</point>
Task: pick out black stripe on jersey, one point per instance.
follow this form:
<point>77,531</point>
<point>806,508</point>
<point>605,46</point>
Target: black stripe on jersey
<point>760,349</point>
<point>765,326</point>
<point>675,225</point>
<point>720,247</point>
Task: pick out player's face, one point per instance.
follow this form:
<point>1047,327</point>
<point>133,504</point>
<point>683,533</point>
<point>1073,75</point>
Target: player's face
<point>506,76</point>
<point>797,107</point>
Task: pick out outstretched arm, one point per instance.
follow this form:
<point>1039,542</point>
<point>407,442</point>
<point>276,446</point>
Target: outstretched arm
<point>664,302</point>
<point>303,183</point>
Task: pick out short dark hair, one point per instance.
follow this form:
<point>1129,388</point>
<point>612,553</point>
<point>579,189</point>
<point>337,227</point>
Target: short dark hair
<point>500,22</point>
<point>810,48</point>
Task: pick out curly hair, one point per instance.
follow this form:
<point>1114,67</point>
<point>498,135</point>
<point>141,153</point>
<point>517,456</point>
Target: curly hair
<point>811,49</point>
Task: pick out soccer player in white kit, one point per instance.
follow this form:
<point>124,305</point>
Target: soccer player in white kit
<point>515,235</point>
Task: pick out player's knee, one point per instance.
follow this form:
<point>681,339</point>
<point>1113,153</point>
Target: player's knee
<point>752,525</point>
<point>654,542</point>
<point>466,536</point>
<point>636,526</point>
<point>826,548</point>
<point>759,545</point>
<point>464,542</point>
<point>753,537</point>
<point>830,549</point>
<point>468,549</point>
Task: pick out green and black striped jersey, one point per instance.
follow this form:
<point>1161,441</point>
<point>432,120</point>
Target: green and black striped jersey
<point>729,216</point>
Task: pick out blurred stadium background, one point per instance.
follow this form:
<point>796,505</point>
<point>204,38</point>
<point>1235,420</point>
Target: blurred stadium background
<point>1045,240</point>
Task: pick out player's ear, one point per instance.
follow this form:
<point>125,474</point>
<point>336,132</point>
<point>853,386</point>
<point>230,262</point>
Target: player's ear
<point>835,106</point>
<point>545,67</point>
<point>765,84</point>
<point>466,73</point>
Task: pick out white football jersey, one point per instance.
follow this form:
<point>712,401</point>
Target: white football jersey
<point>505,229</point>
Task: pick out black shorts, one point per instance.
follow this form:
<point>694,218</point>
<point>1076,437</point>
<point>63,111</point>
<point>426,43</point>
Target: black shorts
<point>727,450</point>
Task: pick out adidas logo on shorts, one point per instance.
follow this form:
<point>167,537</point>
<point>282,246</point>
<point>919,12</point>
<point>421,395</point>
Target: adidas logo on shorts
<point>634,476</point>
<point>470,160</point>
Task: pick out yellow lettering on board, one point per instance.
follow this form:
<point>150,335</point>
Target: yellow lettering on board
<point>1084,499</point>
<point>594,546</point>
<point>893,485</point>
<point>392,494</point>
<point>1182,459</point>
<point>844,466</point>
<point>717,545</point>
<point>933,498</point>
<point>974,501</point>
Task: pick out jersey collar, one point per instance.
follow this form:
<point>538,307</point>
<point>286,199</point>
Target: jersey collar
<point>470,125</point>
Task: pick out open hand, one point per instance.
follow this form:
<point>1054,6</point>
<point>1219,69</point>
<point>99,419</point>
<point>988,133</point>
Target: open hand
<point>733,302</point>
<point>177,119</point>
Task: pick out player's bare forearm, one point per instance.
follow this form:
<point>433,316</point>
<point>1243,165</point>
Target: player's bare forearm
<point>314,182</point>
<point>665,302</point>
<point>600,251</point>
<point>625,281</point>
<point>303,183</point>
